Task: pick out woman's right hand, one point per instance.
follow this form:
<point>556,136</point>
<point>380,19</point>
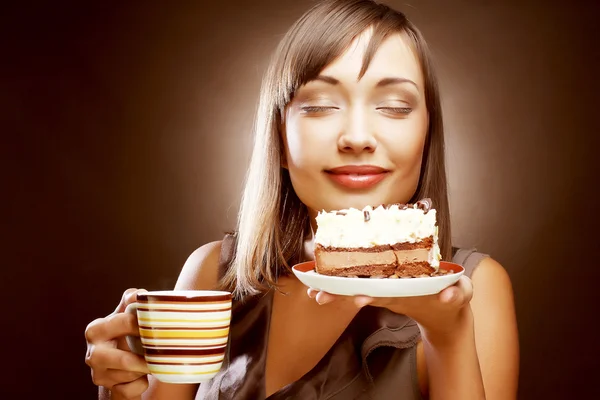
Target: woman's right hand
<point>113,365</point>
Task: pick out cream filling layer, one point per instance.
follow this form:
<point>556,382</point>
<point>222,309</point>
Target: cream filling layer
<point>347,259</point>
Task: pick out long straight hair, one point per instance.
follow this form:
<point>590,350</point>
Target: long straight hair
<point>272,221</point>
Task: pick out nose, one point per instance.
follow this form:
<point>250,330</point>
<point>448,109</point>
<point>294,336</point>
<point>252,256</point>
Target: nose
<point>357,136</point>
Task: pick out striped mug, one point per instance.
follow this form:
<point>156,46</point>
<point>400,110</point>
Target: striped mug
<point>183,334</point>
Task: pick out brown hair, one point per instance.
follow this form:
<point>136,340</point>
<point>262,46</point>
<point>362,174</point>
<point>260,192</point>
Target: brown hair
<point>272,221</point>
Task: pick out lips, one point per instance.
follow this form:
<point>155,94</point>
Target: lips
<point>357,176</point>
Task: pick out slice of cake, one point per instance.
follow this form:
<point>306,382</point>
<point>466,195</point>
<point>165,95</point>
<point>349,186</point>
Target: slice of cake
<point>394,241</point>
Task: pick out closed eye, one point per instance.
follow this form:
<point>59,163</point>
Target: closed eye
<point>317,109</point>
<point>396,110</point>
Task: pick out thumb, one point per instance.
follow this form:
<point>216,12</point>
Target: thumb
<point>363,301</point>
<point>458,294</point>
<point>129,296</point>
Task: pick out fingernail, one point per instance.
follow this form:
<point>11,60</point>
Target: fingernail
<point>321,301</point>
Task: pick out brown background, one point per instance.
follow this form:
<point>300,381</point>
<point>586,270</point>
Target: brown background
<point>126,131</point>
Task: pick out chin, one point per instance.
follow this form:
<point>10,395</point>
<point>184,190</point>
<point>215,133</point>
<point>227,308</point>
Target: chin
<point>355,201</point>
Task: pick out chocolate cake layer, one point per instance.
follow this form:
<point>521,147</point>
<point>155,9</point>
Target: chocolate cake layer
<point>425,243</point>
<point>362,271</point>
<point>414,269</point>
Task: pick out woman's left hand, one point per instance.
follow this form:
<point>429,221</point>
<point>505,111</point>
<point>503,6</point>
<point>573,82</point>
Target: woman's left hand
<point>439,314</point>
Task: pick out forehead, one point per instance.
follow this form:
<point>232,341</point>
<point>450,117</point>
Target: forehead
<point>395,57</point>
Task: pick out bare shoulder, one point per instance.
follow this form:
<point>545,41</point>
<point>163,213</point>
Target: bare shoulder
<point>493,302</point>
<point>200,271</point>
<point>492,276</point>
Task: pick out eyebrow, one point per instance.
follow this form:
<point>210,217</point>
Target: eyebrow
<point>395,81</point>
<point>383,82</point>
<point>327,79</point>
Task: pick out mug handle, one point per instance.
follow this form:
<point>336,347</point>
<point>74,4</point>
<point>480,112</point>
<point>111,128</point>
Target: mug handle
<point>134,342</point>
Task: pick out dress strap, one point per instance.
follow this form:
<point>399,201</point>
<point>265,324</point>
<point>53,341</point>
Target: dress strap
<point>469,259</point>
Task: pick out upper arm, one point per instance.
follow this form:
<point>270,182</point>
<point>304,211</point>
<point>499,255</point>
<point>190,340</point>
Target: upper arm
<point>496,336</point>
<point>200,272</point>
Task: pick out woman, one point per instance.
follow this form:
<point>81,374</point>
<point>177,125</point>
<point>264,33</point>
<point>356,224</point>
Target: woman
<point>351,84</point>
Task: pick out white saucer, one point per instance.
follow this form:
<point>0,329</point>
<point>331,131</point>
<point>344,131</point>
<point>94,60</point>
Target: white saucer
<point>375,287</point>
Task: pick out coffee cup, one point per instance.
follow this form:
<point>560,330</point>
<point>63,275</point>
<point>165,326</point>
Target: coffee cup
<point>183,334</point>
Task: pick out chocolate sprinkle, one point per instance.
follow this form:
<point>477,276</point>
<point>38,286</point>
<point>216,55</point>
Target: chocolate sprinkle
<point>424,204</point>
<point>400,206</point>
<point>367,216</point>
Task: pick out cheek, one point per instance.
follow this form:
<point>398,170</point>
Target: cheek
<point>306,142</point>
<point>405,143</point>
<point>307,146</point>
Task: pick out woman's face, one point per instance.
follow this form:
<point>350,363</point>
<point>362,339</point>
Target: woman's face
<point>352,143</point>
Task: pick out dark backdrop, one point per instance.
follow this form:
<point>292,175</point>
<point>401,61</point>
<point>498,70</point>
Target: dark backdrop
<point>126,131</point>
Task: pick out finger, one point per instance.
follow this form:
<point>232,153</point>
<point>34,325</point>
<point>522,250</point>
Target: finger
<point>362,301</point>
<point>129,296</point>
<point>112,377</point>
<point>458,294</point>
<point>324,298</point>
<point>466,286</point>
<point>111,327</point>
<point>124,298</point>
<point>132,389</point>
<point>108,358</point>
<point>312,293</point>
<point>448,295</point>
<point>117,376</point>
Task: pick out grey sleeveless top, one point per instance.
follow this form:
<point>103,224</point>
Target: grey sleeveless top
<point>375,357</point>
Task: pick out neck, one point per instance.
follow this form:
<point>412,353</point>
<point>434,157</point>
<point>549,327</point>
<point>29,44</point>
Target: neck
<point>312,214</point>
<point>308,253</point>
<point>308,247</point>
